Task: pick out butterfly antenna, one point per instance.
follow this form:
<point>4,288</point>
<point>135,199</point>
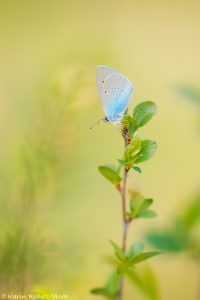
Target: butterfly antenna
<point>96,123</point>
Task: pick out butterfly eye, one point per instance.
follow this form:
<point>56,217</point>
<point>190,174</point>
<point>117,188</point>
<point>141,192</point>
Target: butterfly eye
<point>106,120</point>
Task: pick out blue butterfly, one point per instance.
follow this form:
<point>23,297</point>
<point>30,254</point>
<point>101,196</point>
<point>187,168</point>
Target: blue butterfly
<point>115,92</point>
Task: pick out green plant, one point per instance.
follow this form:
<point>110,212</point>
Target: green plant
<point>136,152</point>
<point>30,177</point>
<point>182,233</point>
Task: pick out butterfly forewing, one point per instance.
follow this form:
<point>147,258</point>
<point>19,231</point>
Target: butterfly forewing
<point>102,72</point>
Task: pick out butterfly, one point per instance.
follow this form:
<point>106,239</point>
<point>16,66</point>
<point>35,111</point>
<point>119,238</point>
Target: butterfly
<point>115,92</point>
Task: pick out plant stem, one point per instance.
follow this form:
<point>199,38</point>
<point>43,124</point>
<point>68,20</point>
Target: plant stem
<point>125,221</point>
<point>124,218</point>
<point>198,291</point>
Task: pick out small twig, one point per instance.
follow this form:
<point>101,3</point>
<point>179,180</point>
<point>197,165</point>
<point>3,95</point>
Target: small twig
<point>124,218</point>
<point>198,290</point>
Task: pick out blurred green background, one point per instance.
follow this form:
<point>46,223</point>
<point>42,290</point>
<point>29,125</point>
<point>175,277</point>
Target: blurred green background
<point>56,212</point>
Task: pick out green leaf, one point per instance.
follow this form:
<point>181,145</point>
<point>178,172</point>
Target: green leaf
<point>101,292</point>
<point>179,237</point>
<point>144,280</point>
<point>135,204</point>
<point>147,214</point>
<point>171,241</point>
<point>146,203</point>
<point>143,112</point>
<point>113,284</point>
<point>143,256</point>
<point>137,169</point>
<point>148,149</point>
<point>150,285</point>
<point>191,214</point>
<point>131,123</point>
<point>131,274</point>
<point>122,162</point>
<point>110,174</point>
<point>136,248</point>
<point>132,128</point>
<point>118,251</point>
<point>134,147</point>
<point>111,288</point>
<point>139,207</point>
<point>112,167</point>
<point>132,151</point>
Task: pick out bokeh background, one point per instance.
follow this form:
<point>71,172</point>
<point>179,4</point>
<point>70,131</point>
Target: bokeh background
<point>56,212</point>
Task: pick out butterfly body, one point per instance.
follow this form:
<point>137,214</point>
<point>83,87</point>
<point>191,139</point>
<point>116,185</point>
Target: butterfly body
<point>115,92</point>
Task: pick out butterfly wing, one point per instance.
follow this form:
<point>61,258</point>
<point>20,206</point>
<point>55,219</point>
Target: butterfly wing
<point>115,91</point>
<point>102,72</point>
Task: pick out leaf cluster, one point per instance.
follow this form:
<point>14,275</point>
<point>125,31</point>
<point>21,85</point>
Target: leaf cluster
<point>140,207</point>
<point>138,150</point>
<point>142,114</point>
<point>125,266</point>
<point>133,256</point>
